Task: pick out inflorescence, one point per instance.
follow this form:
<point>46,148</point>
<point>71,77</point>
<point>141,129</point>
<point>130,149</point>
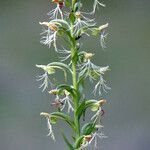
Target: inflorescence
<point>70,102</point>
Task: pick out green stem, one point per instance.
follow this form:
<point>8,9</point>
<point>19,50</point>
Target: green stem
<point>74,80</point>
<point>76,99</point>
<point>74,75</point>
<point>73,2</point>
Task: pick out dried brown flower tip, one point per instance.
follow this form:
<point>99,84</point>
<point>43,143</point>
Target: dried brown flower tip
<point>102,102</point>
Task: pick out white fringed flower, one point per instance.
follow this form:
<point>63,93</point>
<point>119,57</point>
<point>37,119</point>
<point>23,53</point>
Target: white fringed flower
<point>46,81</point>
<point>82,22</point>
<point>66,54</point>
<point>62,103</point>
<point>91,70</point>
<point>49,126</point>
<point>66,101</point>
<point>88,69</point>
<point>96,137</point>
<point>103,36</point>
<point>56,12</point>
<point>89,139</point>
<point>87,65</point>
<point>86,142</point>
<point>95,5</point>
<point>101,85</point>
<point>99,112</point>
<point>49,34</point>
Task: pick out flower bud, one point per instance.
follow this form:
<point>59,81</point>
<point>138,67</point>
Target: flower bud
<point>98,126</point>
<point>50,117</point>
<point>103,26</point>
<point>57,1</point>
<point>88,56</point>
<point>97,31</point>
<point>53,26</point>
<point>54,92</point>
<point>95,106</point>
<point>98,104</point>
<point>87,138</point>
<point>45,114</point>
<point>48,69</point>
<point>66,92</point>
<point>78,15</point>
<point>102,102</point>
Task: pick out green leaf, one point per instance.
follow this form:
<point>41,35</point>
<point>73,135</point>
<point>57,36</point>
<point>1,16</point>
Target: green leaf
<point>84,30</point>
<point>75,57</point>
<point>64,117</point>
<point>53,119</point>
<point>68,88</point>
<point>50,70</point>
<point>81,83</point>
<point>94,74</point>
<point>80,110</point>
<point>78,142</point>
<point>81,86</point>
<point>94,107</point>
<point>67,3</point>
<point>83,106</point>
<point>62,66</point>
<point>67,142</point>
<point>89,103</point>
<point>95,32</point>
<point>77,6</point>
<point>60,32</point>
<point>88,128</point>
<point>72,17</point>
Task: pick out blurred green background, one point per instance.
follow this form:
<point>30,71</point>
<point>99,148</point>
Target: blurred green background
<point>127,118</point>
